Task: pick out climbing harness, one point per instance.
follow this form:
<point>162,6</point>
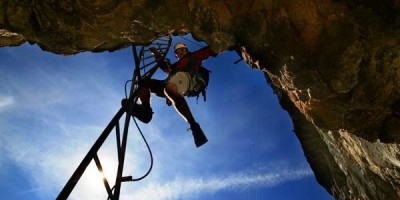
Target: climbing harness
<point>200,83</point>
<point>145,67</point>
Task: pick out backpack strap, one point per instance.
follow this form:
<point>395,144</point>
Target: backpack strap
<point>203,93</point>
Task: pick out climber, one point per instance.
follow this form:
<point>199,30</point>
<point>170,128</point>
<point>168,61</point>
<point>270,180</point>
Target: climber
<point>178,83</point>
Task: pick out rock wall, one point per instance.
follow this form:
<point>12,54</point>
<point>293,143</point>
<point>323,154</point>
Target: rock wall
<point>334,65</point>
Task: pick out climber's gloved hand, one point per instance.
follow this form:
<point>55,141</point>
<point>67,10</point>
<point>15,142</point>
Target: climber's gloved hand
<point>157,55</point>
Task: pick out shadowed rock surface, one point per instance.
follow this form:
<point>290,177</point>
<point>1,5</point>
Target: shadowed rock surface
<point>334,65</point>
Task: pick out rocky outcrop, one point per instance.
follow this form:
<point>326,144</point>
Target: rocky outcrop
<point>334,65</point>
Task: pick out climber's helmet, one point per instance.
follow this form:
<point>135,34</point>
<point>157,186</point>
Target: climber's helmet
<point>180,45</point>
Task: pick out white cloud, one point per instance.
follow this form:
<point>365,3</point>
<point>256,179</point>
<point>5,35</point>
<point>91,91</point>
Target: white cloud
<point>185,188</point>
<point>6,101</point>
<point>50,162</point>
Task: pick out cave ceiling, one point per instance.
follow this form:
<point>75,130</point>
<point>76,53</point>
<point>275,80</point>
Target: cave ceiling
<point>334,65</point>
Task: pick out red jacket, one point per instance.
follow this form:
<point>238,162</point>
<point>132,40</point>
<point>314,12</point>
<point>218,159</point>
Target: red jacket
<point>191,62</point>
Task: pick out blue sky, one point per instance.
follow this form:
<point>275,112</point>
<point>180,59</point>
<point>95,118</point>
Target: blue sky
<point>53,108</point>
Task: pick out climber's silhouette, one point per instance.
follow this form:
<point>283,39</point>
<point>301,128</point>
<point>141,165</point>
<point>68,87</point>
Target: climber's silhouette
<point>181,81</point>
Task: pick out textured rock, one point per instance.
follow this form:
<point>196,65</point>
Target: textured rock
<point>334,65</point>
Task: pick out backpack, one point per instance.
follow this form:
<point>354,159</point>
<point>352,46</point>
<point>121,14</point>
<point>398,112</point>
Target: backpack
<point>201,79</point>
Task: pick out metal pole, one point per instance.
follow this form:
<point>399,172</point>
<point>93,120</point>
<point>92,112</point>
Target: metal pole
<point>105,182</point>
<point>121,159</point>
<point>122,149</point>
<point>66,191</point>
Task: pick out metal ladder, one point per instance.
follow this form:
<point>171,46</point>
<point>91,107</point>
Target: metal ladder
<point>145,66</point>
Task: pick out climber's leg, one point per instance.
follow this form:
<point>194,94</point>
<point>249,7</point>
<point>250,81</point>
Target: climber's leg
<point>175,95</point>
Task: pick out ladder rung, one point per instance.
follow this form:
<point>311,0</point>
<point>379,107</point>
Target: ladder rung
<point>159,48</point>
<point>150,56</point>
<point>160,40</point>
<point>126,179</point>
<point>148,64</point>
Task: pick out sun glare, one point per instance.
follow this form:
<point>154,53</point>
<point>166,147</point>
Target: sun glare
<point>91,185</point>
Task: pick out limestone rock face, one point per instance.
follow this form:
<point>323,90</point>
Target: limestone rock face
<point>334,65</point>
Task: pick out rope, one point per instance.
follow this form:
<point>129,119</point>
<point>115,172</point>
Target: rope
<point>151,158</point>
<point>145,141</point>
<point>126,93</point>
<point>151,154</point>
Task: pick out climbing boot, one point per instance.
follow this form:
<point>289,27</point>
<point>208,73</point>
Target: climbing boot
<point>198,135</point>
<point>144,113</point>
